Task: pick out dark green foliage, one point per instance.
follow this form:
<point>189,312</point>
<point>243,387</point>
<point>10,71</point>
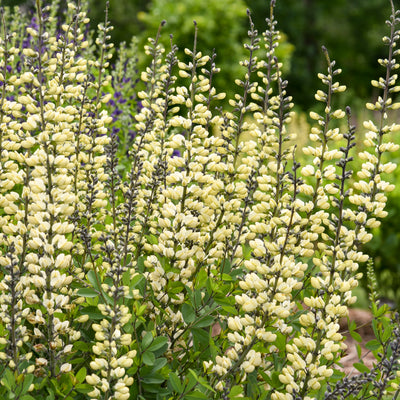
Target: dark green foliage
<point>308,24</point>
<point>123,16</point>
<point>341,27</point>
<point>221,24</point>
<point>384,248</point>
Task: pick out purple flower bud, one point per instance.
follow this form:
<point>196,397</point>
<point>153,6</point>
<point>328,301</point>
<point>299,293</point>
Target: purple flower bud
<point>116,112</point>
<point>26,43</point>
<point>132,134</point>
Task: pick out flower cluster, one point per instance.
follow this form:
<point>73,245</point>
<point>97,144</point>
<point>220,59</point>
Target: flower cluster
<point>308,219</point>
<point>52,139</point>
<point>154,245</point>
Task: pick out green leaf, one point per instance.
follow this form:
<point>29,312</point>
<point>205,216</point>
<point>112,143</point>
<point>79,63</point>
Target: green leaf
<point>92,278</point>
<point>149,358</point>
<point>147,340</point>
<point>81,375</point>
<point>361,367</point>
<point>378,312</point>
<point>375,327</point>
<point>83,388</point>
<point>51,394</point>
<point>140,264</point>
<point>230,310</point>
<point>140,309</point>
<point>9,380</point>
<point>235,391</point>
<point>356,336</point>
<point>151,388</point>
<point>201,278</point>
<point>158,343</point>
<point>175,382</point>
<point>154,380</point>
<point>132,370</point>
<point>151,239</point>
<point>226,278</point>
<point>201,380</point>
<point>198,296</point>
<point>246,251</point>
<point>275,379</point>
<point>359,351</point>
<point>223,300</point>
<point>190,382</point>
<point>87,292</point>
<point>188,313</point>
<point>204,321</point>
<point>337,375</point>
<point>136,280</point>
<point>27,397</point>
<point>81,346</point>
<point>160,363</point>
<point>252,389</point>
<point>28,379</point>
<point>175,287</point>
<point>196,395</point>
<point>280,341</point>
<point>387,329</point>
<point>373,345</point>
<point>267,379</point>
<point>78,360</point>
<point>93,315</point>
<point>200,338</point>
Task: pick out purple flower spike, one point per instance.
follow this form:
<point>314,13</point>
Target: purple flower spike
<point>115,130</point>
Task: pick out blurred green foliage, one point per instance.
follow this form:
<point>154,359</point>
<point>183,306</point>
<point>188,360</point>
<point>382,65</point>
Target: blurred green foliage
<point>221,26</point>
<point>341,27</point>
<point>308,24</point>
<point>123,16</point>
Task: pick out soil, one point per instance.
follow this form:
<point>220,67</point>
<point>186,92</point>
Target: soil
<point>363,320</point>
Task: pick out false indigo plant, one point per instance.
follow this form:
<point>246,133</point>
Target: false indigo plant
<point>195,258</point>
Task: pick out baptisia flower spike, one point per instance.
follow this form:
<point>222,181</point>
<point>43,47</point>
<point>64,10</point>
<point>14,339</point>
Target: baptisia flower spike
<point>305,239</point>
<point>195,258</point>
<point>54,150</point>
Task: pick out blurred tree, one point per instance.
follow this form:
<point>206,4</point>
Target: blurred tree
<point>350,29</point>
<point>9,3</point>
<point>221,26</point>
<point>123,16</point>
<point>26,4</point>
